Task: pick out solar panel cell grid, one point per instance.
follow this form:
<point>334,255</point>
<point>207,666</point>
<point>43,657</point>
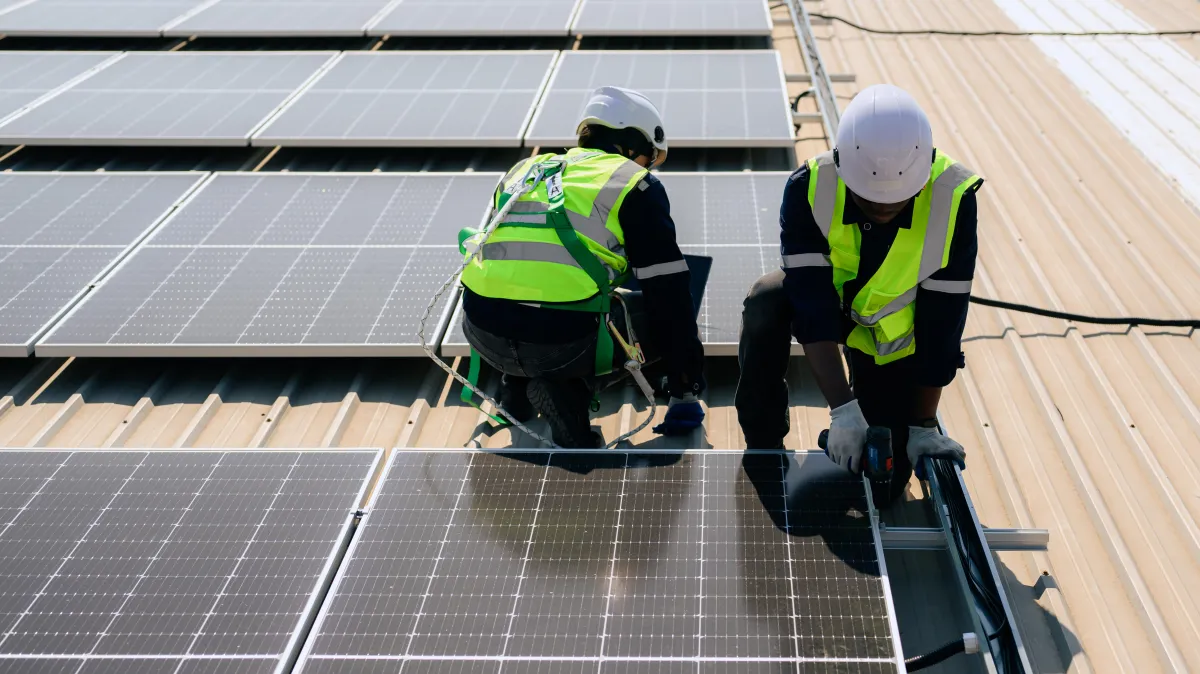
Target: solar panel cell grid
<point>477,17</point>
<point>129,18</point>
<point>673,17</point>
<point>473,561</point>
<point>26,76</point>
<point>59,232</point>
<point>115,556</point>
<point>280,18</point>
<point>707,99</point>
<point>398,98</point>
<point>169,98</point>
<point>286,264</point>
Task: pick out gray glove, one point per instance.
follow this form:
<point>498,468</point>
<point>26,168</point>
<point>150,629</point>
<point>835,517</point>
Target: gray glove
<point>847,435</point>
<point>929,442</point>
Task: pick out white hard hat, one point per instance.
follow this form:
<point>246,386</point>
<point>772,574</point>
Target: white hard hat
<point>884,145</point>
<point>618,108</point>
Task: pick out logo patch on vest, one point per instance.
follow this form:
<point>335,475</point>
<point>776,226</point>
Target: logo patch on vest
<point>554,188</point>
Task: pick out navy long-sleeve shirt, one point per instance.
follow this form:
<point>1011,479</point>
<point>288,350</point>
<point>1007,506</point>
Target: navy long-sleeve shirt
<point>655,258</point>
<point>817,311</point>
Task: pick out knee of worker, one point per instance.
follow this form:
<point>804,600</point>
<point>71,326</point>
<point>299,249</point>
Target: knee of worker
<point>766,306</point>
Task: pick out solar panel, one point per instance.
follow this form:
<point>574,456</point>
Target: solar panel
<point>110,18</point>
<point>416,98</point>
<point>59,232</point>
<point>168,560</point>
<point>228,18</point>
<point>673,17</point>
<point>178,98</point>
<point>707,98</point>
<point>27,76</point>
<point>285,265</point>
<point>568,562</point>
<point>457,18</point>
<point>731,217</point>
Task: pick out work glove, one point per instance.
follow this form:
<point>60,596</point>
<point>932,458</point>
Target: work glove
<point>684,415</point>
<point>847,435</point>
<point>929,442</point>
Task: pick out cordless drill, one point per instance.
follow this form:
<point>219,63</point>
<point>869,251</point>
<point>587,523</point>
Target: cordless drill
<point>877,454</point>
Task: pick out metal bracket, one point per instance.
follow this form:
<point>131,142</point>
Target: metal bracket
<point>805,78</point>
<point>929,538</point>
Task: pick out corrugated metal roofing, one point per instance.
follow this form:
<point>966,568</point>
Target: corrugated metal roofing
<point>1091,432</point>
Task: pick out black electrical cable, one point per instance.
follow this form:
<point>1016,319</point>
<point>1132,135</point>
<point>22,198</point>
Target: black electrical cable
<point>1080,318</point>
<point>1004,33</point>
<point>934,657</point>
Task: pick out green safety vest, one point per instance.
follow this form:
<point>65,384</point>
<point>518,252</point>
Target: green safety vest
<point>884,309</point>
<point>527,259</point>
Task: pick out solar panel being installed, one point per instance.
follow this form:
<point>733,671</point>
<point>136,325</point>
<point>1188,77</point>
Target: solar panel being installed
<point>279,18</point>
<point>673,17</point>
<point>704,561</point>
<point>707,98</point>
<point>181,98</point>
<point>168,561</point>
<point>285,265</point>
<point>27,76</point>
<point>59,232</point>
<point>459,18</point>
<point>109,18</point>
<point>416,98</point>
<point>730,217</point>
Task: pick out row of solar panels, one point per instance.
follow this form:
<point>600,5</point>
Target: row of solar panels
<point>182,562</point>
<point>458,18</point>
<point>293,264</point>
<point>708,98</point>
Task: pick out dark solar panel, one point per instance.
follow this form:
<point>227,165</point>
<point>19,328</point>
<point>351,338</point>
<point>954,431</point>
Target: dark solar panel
<point>173,561</point>
<point>536,562</point>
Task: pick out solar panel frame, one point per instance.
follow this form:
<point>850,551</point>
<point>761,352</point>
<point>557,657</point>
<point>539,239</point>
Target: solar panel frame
<point>41,125</point>
<point>13,349</point>
<point>51,345</point>
<point>569,99</point>
<point>45,18</point>
<point>396,23</point>
<point>734,268</point>
<point>36,95</point>
<point>558,662</point>
<point>233,662</point>
<point>221,19</point>
<point>586,25</point>
<point>270,134</point>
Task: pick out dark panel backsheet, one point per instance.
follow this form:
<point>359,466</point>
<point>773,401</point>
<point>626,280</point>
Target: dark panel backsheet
<point>180,561</point>
<point>60,231</point>
<point>730,217</point>
<point>531,562</point>
<point>286,265</point>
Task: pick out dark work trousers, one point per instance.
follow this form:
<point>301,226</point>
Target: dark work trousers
<point>885,392</point>
<point>570,361</point>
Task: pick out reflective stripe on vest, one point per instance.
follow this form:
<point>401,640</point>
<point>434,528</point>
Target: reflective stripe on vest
<point>935,210</point>
<point>525,259</point>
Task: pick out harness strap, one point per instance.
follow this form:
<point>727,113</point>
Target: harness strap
<point>469,398</point>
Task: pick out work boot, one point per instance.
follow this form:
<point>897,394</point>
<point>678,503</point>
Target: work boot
<point>514,399</point>
<point>564,405</point>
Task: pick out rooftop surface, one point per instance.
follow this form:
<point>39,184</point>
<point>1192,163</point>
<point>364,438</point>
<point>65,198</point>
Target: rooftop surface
<point>1091,432</point>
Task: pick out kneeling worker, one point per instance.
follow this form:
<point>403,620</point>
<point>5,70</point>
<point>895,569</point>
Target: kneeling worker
<point>537,296</point>
<point>879,245</point>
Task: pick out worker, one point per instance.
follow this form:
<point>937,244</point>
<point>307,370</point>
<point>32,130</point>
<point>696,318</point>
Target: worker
<point>536,297</point>
<point>878,244</point>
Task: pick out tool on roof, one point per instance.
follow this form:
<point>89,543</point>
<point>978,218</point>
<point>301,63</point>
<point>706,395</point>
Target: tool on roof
<point>470,243</point>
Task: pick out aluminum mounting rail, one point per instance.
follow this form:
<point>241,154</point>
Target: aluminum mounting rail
<point>822,84</point>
